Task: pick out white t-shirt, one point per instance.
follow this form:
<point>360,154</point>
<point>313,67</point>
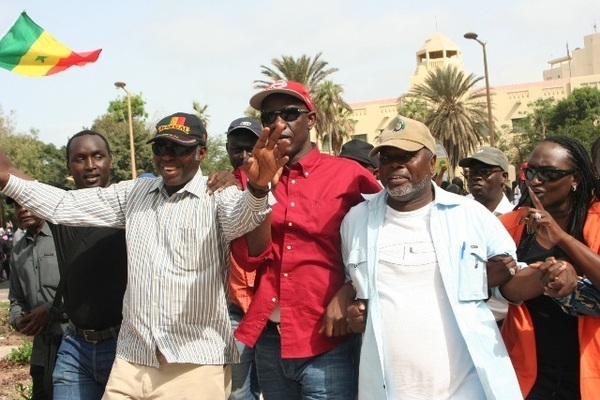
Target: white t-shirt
<point>425,355</point>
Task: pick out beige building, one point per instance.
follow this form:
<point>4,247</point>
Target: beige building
<point>509,103</point>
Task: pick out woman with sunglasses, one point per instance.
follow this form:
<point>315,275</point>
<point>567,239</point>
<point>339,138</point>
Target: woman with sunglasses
<point>556,227</point>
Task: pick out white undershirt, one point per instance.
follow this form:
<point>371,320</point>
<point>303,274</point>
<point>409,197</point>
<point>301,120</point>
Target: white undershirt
<point>425,355</point>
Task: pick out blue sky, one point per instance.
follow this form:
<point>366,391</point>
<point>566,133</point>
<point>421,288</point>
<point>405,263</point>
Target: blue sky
<point>175,52</point>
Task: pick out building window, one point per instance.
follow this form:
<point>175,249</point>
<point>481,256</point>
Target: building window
<point>362,137</point>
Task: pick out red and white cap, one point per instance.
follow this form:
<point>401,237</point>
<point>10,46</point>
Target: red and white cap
<point>292,88</point>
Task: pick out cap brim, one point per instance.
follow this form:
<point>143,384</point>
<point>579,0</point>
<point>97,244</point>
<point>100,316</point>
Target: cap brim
<point>243,128</point>
<point>400,144</point>
<point>360,159</point>
<point>257,100</point>
<point>467,162</point>
<point>179,139</point>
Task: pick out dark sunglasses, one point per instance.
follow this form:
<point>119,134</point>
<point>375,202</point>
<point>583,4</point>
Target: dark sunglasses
<point>287,114</point>
<point>547,175</point>
<point>482,172</point>
<point>160,149</point>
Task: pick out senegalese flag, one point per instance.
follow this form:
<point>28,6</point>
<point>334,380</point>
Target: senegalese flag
<point>29,50</point>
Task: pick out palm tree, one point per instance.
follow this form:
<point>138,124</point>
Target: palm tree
<point>201,113</point>
<point>412,108</point>
<point>309,72</point>
<point>332,113</point>
<point>457,116</point>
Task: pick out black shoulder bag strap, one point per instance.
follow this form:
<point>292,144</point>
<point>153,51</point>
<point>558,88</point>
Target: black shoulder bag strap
<point>56,311</point>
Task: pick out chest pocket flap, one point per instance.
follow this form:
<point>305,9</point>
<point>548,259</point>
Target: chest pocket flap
<point>472,276</point>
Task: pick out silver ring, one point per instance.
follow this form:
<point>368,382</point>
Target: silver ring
<point>536,215</point>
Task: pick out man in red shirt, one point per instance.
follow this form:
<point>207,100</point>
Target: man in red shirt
<point>302,350</point>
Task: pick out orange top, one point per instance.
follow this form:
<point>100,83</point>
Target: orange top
<point>517,329</point>
<point>240,282</point>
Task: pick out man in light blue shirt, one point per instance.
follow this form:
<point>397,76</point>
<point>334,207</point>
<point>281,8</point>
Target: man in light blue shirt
<point>417,257</point>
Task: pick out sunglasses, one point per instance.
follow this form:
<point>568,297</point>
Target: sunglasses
<point>547,175</point>
<point>160,149</point>
<point>482,172</point>
<point>287,114</point>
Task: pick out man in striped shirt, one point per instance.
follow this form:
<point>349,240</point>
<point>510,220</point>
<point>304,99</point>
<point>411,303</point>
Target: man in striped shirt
<point>176,336</point>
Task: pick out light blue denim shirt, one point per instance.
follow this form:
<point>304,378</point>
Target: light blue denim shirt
<point>465,234</point>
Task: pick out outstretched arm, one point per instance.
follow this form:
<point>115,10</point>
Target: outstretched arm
<point>7,168</point>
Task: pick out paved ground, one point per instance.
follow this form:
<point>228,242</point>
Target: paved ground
<point>4,291</point>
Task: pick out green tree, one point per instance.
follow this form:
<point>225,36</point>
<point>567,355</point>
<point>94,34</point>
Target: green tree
<point>333,115</point>
<point>518,142</point>
<point>115,126</point>
<point>252,113</point>
<point>306,70</point>
<point>201,113</point>
<point>37,159</point>
<point>216,158</point>
<point>7,125</point>
<point>577,115</point>
<point>457,112</point>
<point>413,108</point>
<point>118,107</point>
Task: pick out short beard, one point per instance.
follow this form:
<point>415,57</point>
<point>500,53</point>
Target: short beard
<point>406,193</point>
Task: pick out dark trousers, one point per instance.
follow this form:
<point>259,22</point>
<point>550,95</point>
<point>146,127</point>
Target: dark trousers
<point>37,377</point>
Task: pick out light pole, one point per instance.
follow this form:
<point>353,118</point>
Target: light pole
<point>121,85</point>
<point>473,36</point>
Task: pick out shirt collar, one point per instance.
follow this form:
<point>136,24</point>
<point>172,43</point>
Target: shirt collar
<point>441,197</point>
<point>45,231</point>
<point>307,163</point>
<point>196,186</point>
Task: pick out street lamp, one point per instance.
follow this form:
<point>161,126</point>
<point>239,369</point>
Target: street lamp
<point>121,85</point>
<point>473,36</point>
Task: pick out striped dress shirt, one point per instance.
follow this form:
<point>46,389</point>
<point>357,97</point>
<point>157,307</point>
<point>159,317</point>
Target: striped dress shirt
<point>178,256</point>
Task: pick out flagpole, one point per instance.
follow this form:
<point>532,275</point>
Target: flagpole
<point>121,85</point>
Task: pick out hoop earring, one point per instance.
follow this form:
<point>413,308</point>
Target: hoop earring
<point>574,188</point>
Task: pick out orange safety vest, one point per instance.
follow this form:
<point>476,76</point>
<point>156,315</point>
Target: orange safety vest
<point>517,329</point>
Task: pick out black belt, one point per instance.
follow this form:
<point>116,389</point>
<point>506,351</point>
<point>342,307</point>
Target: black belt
<point>95,336</point>
<point>273,326</point>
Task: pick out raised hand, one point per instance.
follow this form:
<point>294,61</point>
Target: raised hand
<point>267,157</point>
<point>540,221</point>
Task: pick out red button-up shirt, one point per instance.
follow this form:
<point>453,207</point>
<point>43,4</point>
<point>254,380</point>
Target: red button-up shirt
<point>303,269</point>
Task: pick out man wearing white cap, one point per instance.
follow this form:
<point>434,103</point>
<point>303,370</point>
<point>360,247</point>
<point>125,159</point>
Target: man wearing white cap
<point>417,257</point>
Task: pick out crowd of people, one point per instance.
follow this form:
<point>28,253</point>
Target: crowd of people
<point>309,276</point>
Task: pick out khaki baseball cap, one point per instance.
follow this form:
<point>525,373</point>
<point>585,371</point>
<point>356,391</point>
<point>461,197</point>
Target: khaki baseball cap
<point>406,134</point>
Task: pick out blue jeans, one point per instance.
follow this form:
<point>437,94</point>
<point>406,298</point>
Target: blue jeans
<point>244,379</point>
<point>332,375</point>
<point>82,368</point>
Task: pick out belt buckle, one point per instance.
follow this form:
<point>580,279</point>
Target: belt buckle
<point>85,335</point>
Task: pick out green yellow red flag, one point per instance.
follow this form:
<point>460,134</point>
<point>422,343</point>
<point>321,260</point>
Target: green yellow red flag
<point>27,49</point>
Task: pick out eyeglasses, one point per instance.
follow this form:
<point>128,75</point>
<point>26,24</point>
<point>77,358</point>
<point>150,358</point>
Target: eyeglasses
<point>547,175</point>
<point>160,149</point>
<point>482,172</point>
<point>287,114</point>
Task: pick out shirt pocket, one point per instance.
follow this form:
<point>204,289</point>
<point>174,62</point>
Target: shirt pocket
<point>357,267</point>
<point>50,273</point>
<point>187,247</point>
<point>472,275</point>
